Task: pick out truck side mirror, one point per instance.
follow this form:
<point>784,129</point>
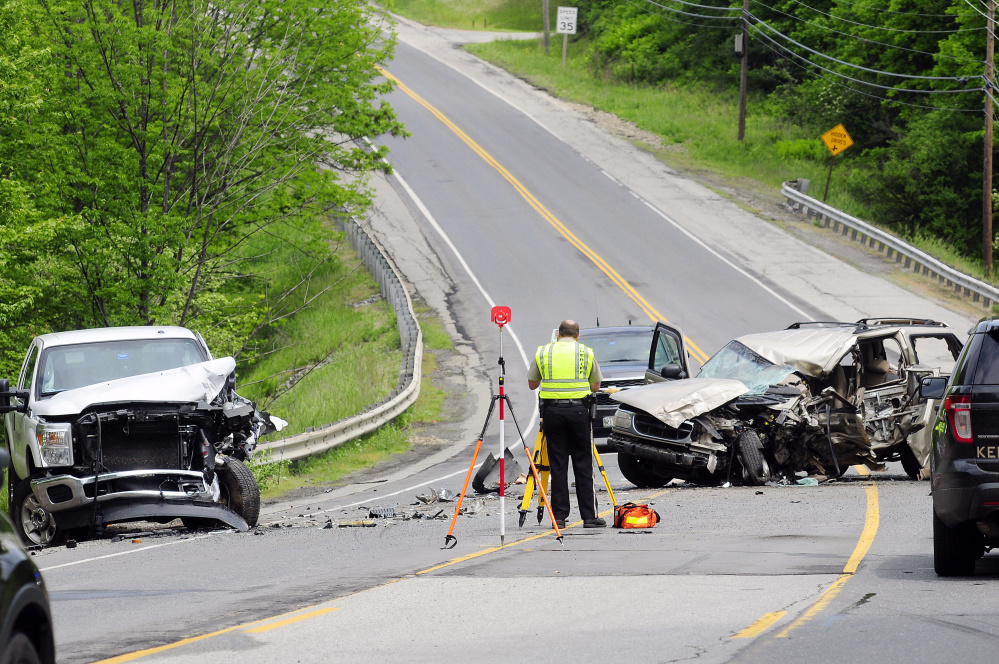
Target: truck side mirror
<point>932,387</point>
<point>672,372</point>
<point>6,393</point>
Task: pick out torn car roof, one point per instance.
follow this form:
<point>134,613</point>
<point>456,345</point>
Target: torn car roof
<point>190,384</point>
<point>814,352</point>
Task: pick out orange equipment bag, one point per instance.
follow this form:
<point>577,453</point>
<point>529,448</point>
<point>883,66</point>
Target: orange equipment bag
<point>631,515</point>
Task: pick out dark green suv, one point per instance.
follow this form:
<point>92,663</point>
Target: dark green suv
<point>964,457</point>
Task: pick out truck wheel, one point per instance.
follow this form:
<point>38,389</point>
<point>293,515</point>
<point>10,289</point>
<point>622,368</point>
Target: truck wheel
<point>955,550</point>
<point>239,490</point>
<point>909,463</point>
<point>33,523</point>
<point>754,467</point>
<point>638,472</point>
<point>20,650</point>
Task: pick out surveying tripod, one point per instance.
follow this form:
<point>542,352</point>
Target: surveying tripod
<point>540,460</point>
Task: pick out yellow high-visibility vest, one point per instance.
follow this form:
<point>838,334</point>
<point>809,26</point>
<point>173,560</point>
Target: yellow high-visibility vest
<point>564,367</point>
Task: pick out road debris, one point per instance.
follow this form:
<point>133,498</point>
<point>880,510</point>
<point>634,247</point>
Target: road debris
<point>473,507</point>
<point>441,496</point>
<point>361,523</point>
<point>487,478</point>
<point>382,512</point>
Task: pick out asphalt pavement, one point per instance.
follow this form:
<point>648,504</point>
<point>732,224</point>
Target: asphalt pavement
<point>505,196</point>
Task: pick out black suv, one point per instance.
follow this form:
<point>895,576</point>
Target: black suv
<point>964,457</point>
<point>623,355</point>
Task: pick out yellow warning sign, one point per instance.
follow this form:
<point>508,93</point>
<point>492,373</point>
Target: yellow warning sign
<point>837,140</point>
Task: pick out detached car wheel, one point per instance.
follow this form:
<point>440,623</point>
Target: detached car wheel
<point>20,650</point>
<point>638,472</point>
<point>33,523</point>
<point>955,550</point>
<point>754,468</point>
<point>240,492</point>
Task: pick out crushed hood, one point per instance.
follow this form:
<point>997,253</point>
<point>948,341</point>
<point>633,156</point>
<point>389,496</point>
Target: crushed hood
<point>675,401</point>
<point>812,351</point>
<point>193,383</point>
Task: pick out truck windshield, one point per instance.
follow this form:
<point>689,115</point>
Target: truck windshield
<point>737,362</point>
<point>69,367</point>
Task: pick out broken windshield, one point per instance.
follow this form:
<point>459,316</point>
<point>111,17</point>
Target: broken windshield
<point>69,367</point>
<point>737,362</point>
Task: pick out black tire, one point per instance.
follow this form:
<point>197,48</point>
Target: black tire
<point>20,650</point>
<point>909,463</point>
<point>751,456</point>
<point>955,550</point>
<point>34,525</point>
<point>638,472</point>
<point>240,492</point>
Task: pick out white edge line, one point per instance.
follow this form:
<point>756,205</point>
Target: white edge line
<point>717,255</point>
<point>461,259</point>
<point>125,553</point>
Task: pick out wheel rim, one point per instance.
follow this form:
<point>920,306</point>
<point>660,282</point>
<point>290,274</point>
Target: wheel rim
<point>38,524</point>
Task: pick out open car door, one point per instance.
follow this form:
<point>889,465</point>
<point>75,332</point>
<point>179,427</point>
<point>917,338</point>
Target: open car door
<point>667,356</point>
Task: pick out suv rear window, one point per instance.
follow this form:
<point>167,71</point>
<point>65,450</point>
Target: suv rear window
<point>987,370</point>
<point>69,367</point>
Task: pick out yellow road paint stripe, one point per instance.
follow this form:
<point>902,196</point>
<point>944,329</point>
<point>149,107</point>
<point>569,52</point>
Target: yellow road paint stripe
<point>871,522</point>
<point>128,657</point>
<point>595,258</point>
<point>288,621</point>
<point>761,625</point>
<point>530,538</point>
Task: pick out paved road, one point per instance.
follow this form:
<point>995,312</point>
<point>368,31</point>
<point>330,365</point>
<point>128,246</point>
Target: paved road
<point>722,559</point>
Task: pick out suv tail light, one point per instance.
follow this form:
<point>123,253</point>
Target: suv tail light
<point>958,409</point>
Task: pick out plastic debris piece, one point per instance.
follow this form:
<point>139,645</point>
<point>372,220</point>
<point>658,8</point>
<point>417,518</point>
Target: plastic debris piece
<point>329,524</point>
<point>759,493</point>
<point>136,541</point>
<point>362,523</point>
<point>474,506</point>
<point>521,479</point>
<point>71,544</point>
<point>487,478</point>
<point>258,532</point>
<point>446,495</point>
<point>807,481</point>
<point>439,515</point>
<point>428,498</point>
<point>382,512</point>
<point>116,538</point>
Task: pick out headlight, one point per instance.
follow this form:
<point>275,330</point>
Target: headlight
<point>623,419</point>
<point>56,444</point>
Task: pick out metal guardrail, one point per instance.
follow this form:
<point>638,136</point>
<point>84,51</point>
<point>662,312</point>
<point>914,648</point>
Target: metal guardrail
<point>315,440</point>
<point>859,231</point>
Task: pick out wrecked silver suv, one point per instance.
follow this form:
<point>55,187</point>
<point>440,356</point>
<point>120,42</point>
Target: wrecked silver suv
<point>815,397</point>
<point>126,424</point>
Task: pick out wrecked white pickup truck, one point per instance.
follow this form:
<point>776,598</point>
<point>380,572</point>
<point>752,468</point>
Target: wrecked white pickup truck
<point>815,397</point>
<point>126,424</point>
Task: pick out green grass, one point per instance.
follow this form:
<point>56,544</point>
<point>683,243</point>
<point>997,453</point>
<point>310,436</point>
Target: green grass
<point>278,478</point>
<point>475,14</point>
<point>698,126</point>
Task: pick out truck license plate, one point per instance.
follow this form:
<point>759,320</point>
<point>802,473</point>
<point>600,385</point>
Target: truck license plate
<point>608,421</point>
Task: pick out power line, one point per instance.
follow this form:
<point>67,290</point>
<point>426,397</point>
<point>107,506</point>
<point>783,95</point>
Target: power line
<point>850,64</point>
<point>864,39</point>
<point>720,9</point>
<point>677,11</point>
<point>856,80</point>
<point>676,20</point>
<point>889,11</point>
<point>878,27</point>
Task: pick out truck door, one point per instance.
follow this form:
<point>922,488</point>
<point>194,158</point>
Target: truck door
<point>668,348</point>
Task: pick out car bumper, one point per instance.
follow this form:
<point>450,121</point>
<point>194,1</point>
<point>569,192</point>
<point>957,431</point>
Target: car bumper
<point>966,493</point>
<point>67,492</point>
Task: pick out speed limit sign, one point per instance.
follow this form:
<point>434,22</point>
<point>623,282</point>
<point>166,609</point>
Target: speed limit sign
<point>565,23</point>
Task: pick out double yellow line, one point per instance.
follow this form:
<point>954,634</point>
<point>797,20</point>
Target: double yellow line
<point>595,258</point>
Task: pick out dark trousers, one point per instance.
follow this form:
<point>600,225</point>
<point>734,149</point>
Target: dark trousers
<point>567,434</point>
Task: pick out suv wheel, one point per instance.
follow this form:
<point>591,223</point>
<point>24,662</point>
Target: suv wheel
<point>955,550</point>
<point>638,472</point>
<point>33,523</point>
<point>20,650</point>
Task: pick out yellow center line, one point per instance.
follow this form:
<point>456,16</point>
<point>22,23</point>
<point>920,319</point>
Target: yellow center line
<point>761,625</point>
<point>595,258</point>
<point>871,522</point>
<point>288,621</point>
<point>138,654</point>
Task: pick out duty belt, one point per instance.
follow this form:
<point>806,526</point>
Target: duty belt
<point>563,402</point>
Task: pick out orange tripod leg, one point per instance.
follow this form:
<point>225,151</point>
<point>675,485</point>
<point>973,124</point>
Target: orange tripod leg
<point>450,538</point>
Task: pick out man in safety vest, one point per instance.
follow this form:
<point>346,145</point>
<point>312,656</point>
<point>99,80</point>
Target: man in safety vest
<point>566,371</point>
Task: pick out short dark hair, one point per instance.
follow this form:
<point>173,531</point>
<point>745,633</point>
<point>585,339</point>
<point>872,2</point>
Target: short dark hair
<point>568,328</point>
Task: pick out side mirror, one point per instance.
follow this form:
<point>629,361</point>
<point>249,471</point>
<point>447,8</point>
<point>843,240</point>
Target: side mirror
<point>672,372</point>
<point>932,387</point>
<point>6,393</point>
<point>4,465</point>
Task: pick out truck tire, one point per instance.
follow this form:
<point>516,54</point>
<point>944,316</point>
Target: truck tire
<point>955,550</point>
<point>20,650</point>
<point>637,472</point>
<point>754,467</point>
<point>34,525</point>
<point>239,490</point>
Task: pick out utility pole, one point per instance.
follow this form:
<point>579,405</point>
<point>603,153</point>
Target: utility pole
<point>987,171</point>
<point>544,10</point>
<point>745,69</point>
